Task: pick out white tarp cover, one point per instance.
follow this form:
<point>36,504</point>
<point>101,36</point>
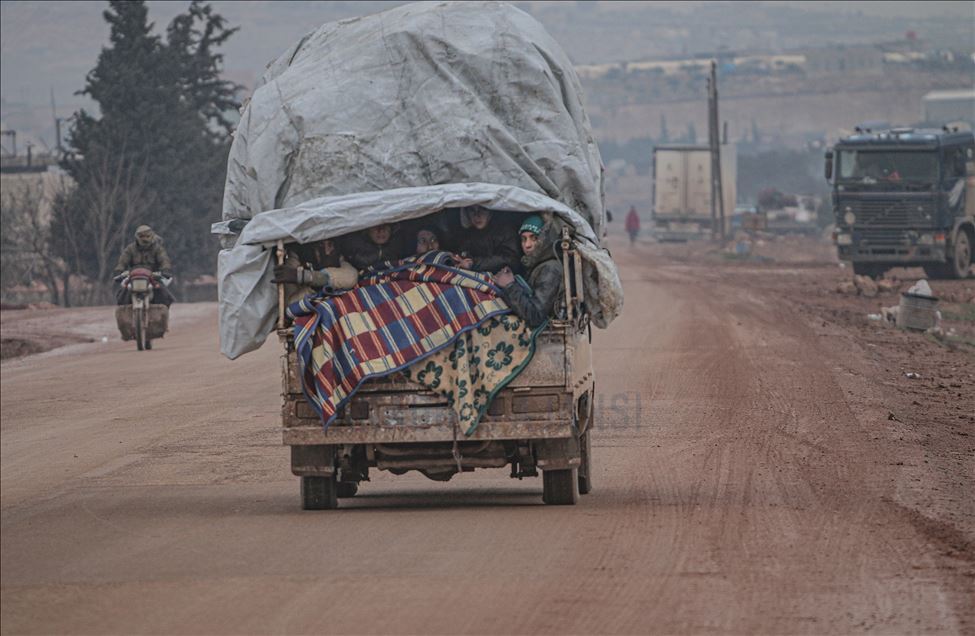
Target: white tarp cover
<point>397,115</point>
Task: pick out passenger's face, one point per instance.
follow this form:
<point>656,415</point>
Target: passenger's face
<point>328,245</point>
<point>380,234</point>
<point>480,218</point>
<point>426,241</point>
<point>529,242</point>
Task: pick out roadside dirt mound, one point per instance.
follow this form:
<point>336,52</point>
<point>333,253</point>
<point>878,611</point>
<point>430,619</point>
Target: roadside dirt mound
<point>41,328</point>
<point>17,347</point>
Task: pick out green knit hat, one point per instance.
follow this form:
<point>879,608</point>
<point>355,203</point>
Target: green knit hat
<point>533,224</point>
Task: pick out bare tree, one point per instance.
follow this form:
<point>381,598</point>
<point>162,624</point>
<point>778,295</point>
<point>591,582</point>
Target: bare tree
<point>26,238</point>
<point>98,218</point>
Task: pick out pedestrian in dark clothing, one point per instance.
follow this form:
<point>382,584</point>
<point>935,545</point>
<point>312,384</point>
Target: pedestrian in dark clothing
<point>146,252</point>
<point>537,300</point>
<point>372,247</point>
<point>632,224</point>
<point>489,243</point>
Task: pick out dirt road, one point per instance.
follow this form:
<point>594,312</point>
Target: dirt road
<point>754,472</point>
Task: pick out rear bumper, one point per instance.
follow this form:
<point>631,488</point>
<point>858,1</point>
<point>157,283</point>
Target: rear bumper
<point>335,434</point>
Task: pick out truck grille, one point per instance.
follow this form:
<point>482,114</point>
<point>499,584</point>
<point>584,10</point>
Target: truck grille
<point>893,214</point>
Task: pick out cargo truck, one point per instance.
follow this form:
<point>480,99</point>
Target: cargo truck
<point>681,196</point>
<point>904,197</point>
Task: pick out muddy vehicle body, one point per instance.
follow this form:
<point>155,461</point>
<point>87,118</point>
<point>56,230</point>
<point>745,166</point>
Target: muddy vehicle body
<point>388,119</point>
<point>540,421</point>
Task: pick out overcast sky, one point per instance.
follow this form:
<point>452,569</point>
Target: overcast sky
<point>51,45</point>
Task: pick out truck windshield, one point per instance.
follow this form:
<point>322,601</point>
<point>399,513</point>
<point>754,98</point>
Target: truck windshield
<point>872,166</point>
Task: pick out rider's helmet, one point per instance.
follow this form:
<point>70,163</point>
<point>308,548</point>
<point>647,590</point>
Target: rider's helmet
<point>144,235</point>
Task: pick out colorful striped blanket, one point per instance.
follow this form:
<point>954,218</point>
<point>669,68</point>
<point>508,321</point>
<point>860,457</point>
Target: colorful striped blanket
<point>395,317</point>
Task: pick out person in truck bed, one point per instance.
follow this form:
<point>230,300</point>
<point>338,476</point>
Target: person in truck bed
<point>308,269</point>
<point>372,246</point>
<point>488,243</point>
<point>535,301</point>
<point>427,240</point>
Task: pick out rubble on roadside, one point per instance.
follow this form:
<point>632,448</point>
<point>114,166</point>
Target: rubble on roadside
<point>868,287</point>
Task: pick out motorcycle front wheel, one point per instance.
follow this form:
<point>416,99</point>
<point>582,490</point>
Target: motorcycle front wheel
<point>138,317</point>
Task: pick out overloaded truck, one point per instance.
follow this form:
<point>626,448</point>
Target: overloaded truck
<point>904,197</point>
<point>681,179</point>
<point>416,111</point>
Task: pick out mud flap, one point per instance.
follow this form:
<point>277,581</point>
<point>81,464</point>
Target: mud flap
<point>315,460</point>
<point>558,454</point>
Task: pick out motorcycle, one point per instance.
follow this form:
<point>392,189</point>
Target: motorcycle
<point>140,320</point>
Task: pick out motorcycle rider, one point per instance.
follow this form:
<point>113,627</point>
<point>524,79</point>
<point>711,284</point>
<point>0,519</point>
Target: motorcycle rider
<point>147,252</point>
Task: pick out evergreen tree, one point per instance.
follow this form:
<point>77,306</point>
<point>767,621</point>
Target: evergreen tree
<point>157,153</point>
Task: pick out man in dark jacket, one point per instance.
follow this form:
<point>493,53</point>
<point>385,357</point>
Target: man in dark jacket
<point>146,252</point>
<point>489,243</point>
<point>537,301</point>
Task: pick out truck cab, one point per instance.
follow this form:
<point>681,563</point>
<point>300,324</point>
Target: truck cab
<point>903,198</point>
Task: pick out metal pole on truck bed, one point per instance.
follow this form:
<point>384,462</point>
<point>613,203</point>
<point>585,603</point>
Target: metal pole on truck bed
<point>280,258</point>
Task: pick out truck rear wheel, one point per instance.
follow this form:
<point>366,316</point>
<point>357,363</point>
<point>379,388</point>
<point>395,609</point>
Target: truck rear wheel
<point>585,467</point>
<point>560,487</point>
<point>347,489</point>
<point>319,493</point>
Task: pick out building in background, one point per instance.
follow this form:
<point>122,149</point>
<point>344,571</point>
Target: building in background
<point>845,59</point>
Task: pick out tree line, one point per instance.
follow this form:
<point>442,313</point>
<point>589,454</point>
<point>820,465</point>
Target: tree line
<point>155,153</point>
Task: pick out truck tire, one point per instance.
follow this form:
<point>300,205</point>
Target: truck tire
<point>585,467</point>
<point>319,493</point>
<point>560,487</point>
<point>347,489</point>
<point>961,264</point>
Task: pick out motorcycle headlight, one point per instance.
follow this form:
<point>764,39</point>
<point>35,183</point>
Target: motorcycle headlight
<point>140,285</point>
<point>844,239</point>
<point>850,218</point>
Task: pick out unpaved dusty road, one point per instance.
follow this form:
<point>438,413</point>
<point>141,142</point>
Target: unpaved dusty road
<point>748,478</point>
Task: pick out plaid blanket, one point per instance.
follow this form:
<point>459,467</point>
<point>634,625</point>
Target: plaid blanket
<point>395,316</point>
<point>480,363</point>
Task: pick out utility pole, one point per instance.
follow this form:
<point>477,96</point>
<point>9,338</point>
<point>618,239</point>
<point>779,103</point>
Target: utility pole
<point>714,141</point>
<point>57,124</point>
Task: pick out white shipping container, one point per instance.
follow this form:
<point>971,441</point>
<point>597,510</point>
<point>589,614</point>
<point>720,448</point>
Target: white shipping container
<point>682,183</point>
